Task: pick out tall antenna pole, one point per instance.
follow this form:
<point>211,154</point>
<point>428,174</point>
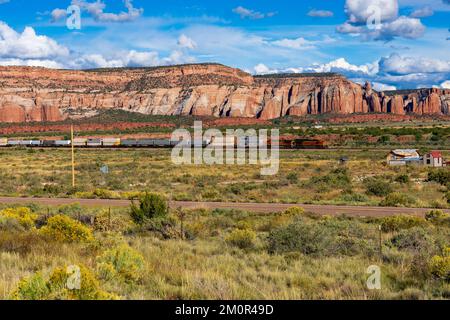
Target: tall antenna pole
<point>73,156</point>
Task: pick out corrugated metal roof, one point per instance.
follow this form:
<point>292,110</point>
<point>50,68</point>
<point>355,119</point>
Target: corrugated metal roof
<point>407,153</point>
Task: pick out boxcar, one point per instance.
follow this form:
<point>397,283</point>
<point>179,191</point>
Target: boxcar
<point>161,143</point>
<point>145,142</point>
<point>128,142</point>
<point>111,142</point>
<point>63,143</point>
<point>80,142</point>
<point>94,142</point>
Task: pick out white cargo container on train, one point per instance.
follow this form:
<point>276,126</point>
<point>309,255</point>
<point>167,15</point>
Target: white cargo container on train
<point>79,142</point>
<point>3,142</point>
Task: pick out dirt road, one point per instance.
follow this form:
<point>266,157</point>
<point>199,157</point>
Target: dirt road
<point>358,211</point>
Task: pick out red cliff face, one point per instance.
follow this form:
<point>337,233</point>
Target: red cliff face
<point>38,94</point>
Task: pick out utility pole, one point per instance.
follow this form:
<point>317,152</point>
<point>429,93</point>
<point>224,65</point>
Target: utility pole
<point>73,156</point>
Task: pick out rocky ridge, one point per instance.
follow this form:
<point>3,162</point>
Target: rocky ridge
<point>30,94</point>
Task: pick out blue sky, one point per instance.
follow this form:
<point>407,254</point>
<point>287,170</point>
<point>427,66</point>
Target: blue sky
<point>393,43</point>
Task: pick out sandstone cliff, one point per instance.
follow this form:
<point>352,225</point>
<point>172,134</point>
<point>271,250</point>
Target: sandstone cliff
<point>38,94</point>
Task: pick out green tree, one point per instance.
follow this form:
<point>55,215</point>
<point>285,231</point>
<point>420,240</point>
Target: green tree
<point>151,206</point>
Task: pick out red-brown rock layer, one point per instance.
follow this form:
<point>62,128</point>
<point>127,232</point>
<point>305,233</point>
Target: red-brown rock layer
<point>38,94</point>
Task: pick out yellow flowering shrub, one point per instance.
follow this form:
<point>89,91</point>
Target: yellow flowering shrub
<point>65,229</point>
<point>57,287</point>
<point>22,215</point>
<point>122,262</point>
<point>440,265</point>
<point>243,239</point>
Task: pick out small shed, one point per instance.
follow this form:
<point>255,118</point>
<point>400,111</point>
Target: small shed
<point>401,157</point>
<point>433,159</point>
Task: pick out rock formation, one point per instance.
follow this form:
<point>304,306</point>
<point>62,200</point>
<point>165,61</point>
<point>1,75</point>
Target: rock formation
<point>37,94</point>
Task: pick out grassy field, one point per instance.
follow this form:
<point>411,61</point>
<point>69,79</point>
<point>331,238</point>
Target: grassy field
<point>304,177</point>
<point>220,254</point>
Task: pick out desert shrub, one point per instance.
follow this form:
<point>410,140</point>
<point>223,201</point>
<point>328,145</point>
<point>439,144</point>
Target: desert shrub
<point>354,197</point>
<point>402,178</point>
<point>242,238</point>
<point>325,237</point>
<point>415,239</point>
<point>397,223</point>
<point>22,215</point>
<point>56,287</point>
<point>31,288</point>
<point>121,262</point>
<point>151,206</point>
<point>294,211</point>
<point>397,199</point>
<point>336,178</point>
<point>377,187</point>
<point>440,265</point>
<point>447,196</point>
<point>292,177</point>
<point>10,224</point>
<point>104,221</point>
<point>72,210</point>
<point>243,225</point>
<point>65,229</point>
<point>441,176</point>
<point>105,194</point>
<point>436,216</point>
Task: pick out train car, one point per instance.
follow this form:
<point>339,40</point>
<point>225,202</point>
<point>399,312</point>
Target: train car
<point>94,143</point>
<point>162,143</point>
<point>80,142</point>
<point>128,143</point>
<point>145,142</point>
<point>63,143</point>
<point>48,143</point>
<point>35,143</point>
<point>3,142</point>
<point>308,144</point>
<point>111,142</point>
<point>13,142</point>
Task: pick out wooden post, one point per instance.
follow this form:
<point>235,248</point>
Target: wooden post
<point>73,156</point>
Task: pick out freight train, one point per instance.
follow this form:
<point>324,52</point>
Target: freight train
<point>284,143</point>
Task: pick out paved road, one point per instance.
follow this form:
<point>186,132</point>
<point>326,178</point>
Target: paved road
<point>253,207</point>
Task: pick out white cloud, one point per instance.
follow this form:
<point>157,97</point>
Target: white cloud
<point>28,45</point>
<point>359,11</point>
<point>382,15</point>
<point>97,11</point>
<point>383,87</point>
<point>299,43</point>
<point>396,64</point>
<point>262,69</point>
<point>423,12</point>
<point>445,84</point>
<point>320,13</point>
<point>31,63</point>
<point>252,14</point>
<point>58,14</point>
<point>186,42</point>
<point>342,66</point>
<point>405,27</point>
